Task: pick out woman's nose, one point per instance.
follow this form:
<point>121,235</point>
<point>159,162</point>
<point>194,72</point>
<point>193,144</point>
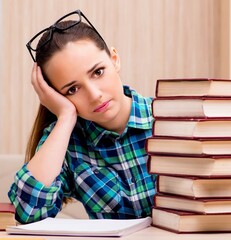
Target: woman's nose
<point>93,92</point>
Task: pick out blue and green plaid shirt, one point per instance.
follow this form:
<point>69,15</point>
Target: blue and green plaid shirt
<point>106,171</point>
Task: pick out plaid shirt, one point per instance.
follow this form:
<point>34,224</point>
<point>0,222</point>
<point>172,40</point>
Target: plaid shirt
<point>106,171</point>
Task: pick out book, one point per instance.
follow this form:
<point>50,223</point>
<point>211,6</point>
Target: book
<point>200,206</point>
<point>192,107</point>
<point>194,187</point>
<point>81,227</point>
<point>7,215</point>
<point>180,165</point>
<point>188,222</point>
<point>192,87</point>
<point>200,128</point>
<point>188,146</point>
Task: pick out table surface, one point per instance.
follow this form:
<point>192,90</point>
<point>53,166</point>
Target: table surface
<point>146,234</point>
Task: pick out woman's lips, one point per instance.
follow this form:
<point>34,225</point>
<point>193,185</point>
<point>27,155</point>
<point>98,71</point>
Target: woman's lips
<point>102,107</point>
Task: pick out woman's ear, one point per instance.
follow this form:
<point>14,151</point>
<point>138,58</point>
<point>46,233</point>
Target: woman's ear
<point>115,58</point>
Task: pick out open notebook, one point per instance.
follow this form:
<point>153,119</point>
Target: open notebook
<point>81,227</point>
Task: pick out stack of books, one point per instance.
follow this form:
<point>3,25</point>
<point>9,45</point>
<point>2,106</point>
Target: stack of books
<point>7,212</point>
<point>190,151</point>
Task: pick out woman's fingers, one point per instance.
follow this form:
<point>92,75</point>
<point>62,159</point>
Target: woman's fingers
<point>34,78</point>
<point>41,87</point>
<point>49,97</point>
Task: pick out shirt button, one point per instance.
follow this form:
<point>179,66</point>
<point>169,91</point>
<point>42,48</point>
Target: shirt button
<point>96,171</point>
<point>107,209</point>
<point>121,141</point>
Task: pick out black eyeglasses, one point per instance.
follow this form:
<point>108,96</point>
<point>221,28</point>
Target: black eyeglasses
<point>76,18</point>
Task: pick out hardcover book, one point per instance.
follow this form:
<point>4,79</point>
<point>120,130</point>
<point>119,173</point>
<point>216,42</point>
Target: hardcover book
<point>194,187</point>
<point>192,87</point>
<point>188,146</point>
<point>7,212</point>
<point>191,107</point>
<point>200,206</point>
<point>188,222</point>
<point>197,165</point>
<point>194,128</point>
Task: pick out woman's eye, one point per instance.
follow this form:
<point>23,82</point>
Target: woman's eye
<point>72,90</point>
<point>99,72</point>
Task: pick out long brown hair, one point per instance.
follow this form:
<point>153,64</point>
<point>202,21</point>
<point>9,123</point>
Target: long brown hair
<point>59,39</point>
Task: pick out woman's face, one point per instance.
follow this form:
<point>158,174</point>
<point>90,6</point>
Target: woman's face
<point>89,78</point>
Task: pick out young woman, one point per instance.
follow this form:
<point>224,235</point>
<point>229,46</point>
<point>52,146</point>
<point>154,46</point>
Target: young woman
<point>88,140</point>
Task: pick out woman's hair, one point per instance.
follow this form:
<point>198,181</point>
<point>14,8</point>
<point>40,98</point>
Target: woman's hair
<point>58,41</point>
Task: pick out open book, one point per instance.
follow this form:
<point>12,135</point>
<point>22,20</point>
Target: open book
<point>81,227</point>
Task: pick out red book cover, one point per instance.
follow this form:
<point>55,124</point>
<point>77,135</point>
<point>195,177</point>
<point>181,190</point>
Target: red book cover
<point>7,208</point>
<point>7,215</point>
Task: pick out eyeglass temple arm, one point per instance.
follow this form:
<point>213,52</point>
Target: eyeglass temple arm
<point>29,49</point>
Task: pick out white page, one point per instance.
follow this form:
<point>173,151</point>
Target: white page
<point>84,227</point>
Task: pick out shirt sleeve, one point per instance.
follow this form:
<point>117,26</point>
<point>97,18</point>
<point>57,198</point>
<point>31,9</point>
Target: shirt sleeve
<point>33,200</point>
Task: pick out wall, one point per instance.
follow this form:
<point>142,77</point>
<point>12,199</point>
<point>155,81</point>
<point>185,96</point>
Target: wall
<point>1,80</point>
<point>155,39</point>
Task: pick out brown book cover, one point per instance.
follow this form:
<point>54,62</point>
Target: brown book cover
<point>189,222</point>
<point>200,206</point>
<point>7,212</point>
<point>203,166</point>
<point>188,145</point>
<point>194,187</point>
<point>193,87</point>
<point>189,107</point>
<point>194,128</point>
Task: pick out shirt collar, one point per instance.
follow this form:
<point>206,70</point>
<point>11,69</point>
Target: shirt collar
<point>141,112</point>
<point>140,117</point>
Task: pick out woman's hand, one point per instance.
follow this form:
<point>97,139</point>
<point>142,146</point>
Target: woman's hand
<point>50,98</point>
<point>47,162</point>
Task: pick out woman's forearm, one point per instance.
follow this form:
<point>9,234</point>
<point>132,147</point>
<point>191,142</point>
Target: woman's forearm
<point>46,164</point>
